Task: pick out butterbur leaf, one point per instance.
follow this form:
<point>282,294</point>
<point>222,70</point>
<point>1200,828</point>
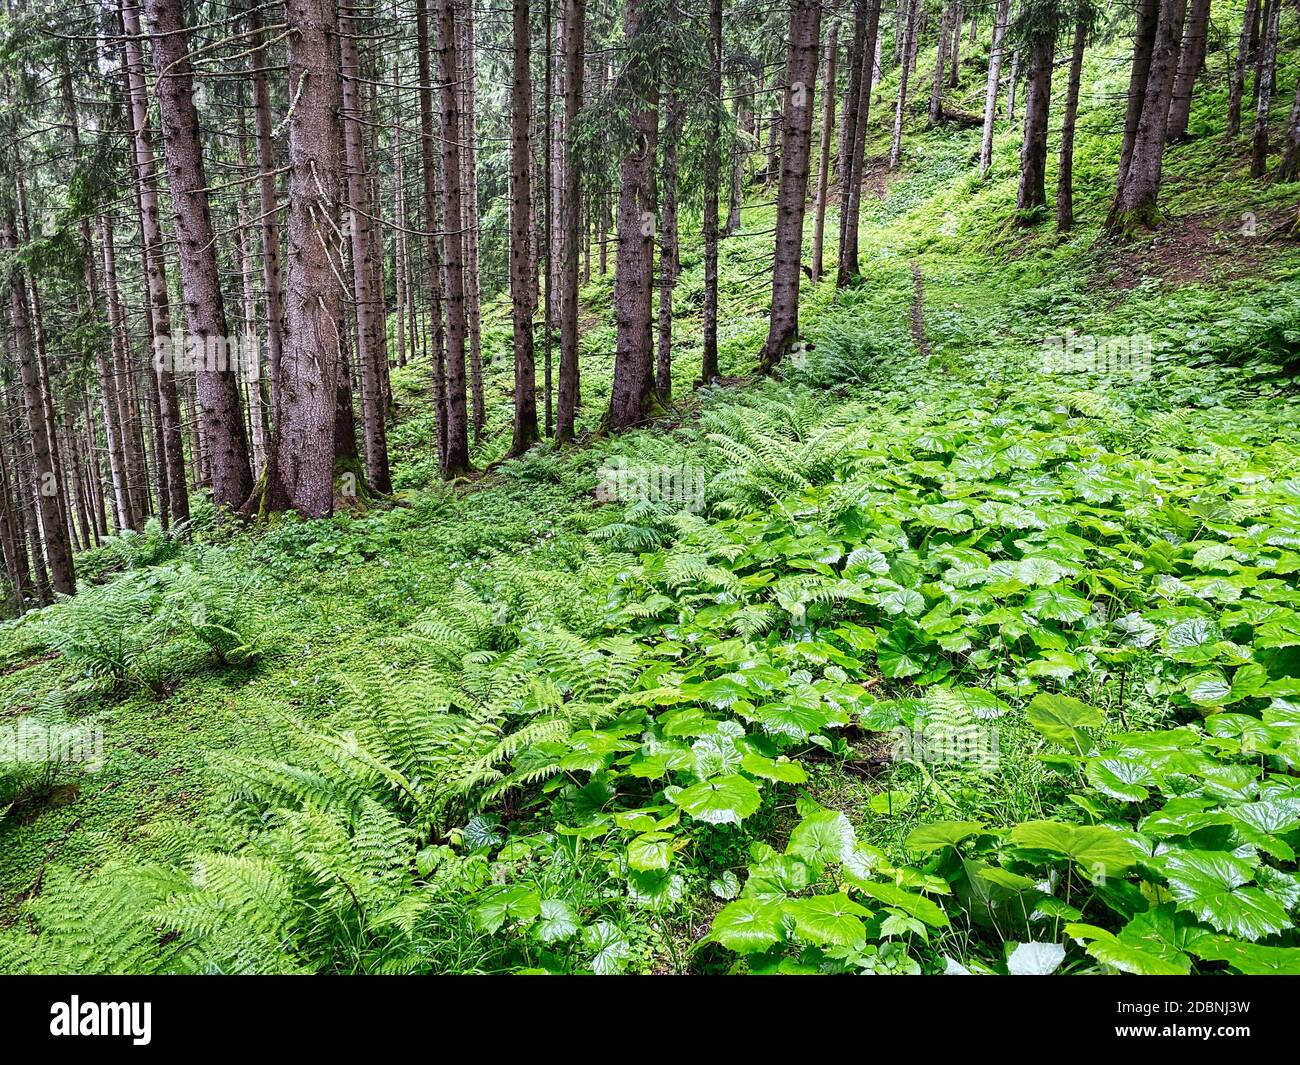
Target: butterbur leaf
<point>514,903</point>
<point>611,948</point>
<point>1249,958</point>
<point>650,851</point>
<point>1110,950</point>
<point>726,886</point>
<point>1125,779</point>
<point>781,770</point>
<point>1035,959</point>
<point>828,920</point>
<point>1062,720</point>
<point>556,921</point>
<point>1210,885</point>
<point>1093,847</point>
<point>1056,604</point>
<point>940,834</point>
<point>722,800</point>
<point>747,926</point>
<point>917,906</point>
<point>824,836</point>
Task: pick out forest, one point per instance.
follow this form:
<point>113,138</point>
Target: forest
<point>650,487</point>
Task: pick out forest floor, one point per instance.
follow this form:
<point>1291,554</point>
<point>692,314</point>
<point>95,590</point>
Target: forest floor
<point>917,380</point>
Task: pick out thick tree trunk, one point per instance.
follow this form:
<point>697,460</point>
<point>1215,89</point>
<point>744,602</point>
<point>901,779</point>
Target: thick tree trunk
<point>1135,202</point>
<point>45,482</point>
<point>469,160</point>
<point>1238,84</point>
<point>1144,38</point>
<point>146,182</point>
<point>1190,60</point>
<point>796,136</point>
<point>1065,171</point>
<point>1265,71</point>
<point>433,252</point>
<point>268,207</point>
<point>851,196</point>
<point>669,263</point>
<point>453,244</point>
<point>371,326</point>
<point>955,51</point>
<point>1001,17</point>
<point>205,312</point>
<point>523,280</point>
<point>824,152</point>
<point>575,14</point>
<point>1038,102</point>
<point>712,194</point>
<point>300,468</point>
<point>401,277</point>
<point>632,396</point>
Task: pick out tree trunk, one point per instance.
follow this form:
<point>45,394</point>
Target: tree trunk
<point>1001,17</point>
<point>575,13</point>
<point>470,163</point>
<point>300,468</point>
<point>851,195</point>
<point>909,52</point>
<point>1135,201</point>
<point>433,253</point>
<point>632,396</point>
<point>523,280</point>
<point>1265,71</point>
<point>712,194</point>
<point>45,484</point>
<point>669,262</point>
<point>453,244</point>
<point>824,152</point>
<point>1038,102</point>
<point>1238,83</point>
<point>1190,60</point>
<point>940,68</point>
<point>205,312</point>
<point>957,22</point>
<point>146,182</point>
<point>1012,82</point>
<point>1289,168</point>
<point>371,326</point>
<point>796,136</point>
<point>1144,38</point>
<point>1065,171</point>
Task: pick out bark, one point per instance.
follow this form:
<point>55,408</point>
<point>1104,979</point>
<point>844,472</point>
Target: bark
<point>796,136</point>
<point>669,263</point>
<point>1012,82</point>
<point>957,22</point>
<point>44,478</point>
<point>145,174</point>
<point>851,196</point>
<point>824,152</point>
<point>268,206</point>
<point>1001,17</point>
<point>1190,60</point>
<point>470,163</point>
<point>300,468</point>
<point>205,313</point>
<point>940,67</point>
<point>433,253</point>
<point>1065,171</point>
<point>1135,202</point>
<point>909,53</point>
<point>1238,84</point>
<point>1032,192</point>
<point>1144,37</point>
<point>712,192</point>
<point>1265,71</point>
<point>371,326</point>
<point>632,395</point>
<point>457,457</point>
<point>575,13</point>
<point>400,269</point>
<point>1289,168</point>
<point>523,279</point>
<point>852,100</point>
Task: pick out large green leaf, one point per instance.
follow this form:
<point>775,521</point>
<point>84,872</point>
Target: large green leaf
<point>828,920</point>
<point>722,800</point>
<point>1097,849</point>
<point>1211,886</point>
<point>1063,719</point>
<point>748,925</point>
